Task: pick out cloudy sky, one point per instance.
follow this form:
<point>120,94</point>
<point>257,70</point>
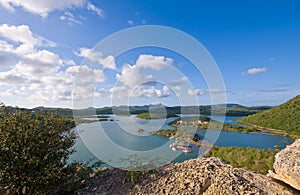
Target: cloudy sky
<point>46,45</point>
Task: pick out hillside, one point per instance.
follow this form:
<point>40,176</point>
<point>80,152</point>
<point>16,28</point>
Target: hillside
<point>231,110</point>
<point>283,117</point>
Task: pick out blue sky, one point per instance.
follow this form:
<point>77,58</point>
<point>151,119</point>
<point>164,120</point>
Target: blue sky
<point>255,44</point>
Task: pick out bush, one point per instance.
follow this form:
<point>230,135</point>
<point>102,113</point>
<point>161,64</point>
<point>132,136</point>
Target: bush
<point>34,150</point>
<point>258,160</point>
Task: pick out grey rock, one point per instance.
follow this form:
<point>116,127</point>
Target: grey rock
<point>209,176</point>
<point>287,165</point>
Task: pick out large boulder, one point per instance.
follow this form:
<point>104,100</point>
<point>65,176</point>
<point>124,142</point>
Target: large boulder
<point>287,165</point>
<point>195,176</point>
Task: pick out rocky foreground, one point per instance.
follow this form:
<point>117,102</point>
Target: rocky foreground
<point>196,176</point>
<point>287,165</point>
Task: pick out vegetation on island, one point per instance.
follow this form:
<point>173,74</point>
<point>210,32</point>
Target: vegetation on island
<point>155,116</point>
<point>203,122</point>
<point>285,117</point>
<point>140,167</point>
<point>178,133</point>
<point>34,150</point>
<point>91,119</point>
<point>252,159</point>
<point>190,121</point>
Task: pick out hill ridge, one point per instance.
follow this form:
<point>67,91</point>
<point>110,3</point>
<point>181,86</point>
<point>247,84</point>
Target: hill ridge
<point>283,117</point>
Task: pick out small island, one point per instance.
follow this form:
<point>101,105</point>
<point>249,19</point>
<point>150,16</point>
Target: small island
<point>149,116</point>
<point>181,136</point>
<point>92,119</point>
<point>203,122</point>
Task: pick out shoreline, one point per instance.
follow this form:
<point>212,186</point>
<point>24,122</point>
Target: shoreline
<point>234,128</point>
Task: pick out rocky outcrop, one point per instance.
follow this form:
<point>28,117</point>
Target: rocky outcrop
<point>287,165</point>
<point>196,176</point>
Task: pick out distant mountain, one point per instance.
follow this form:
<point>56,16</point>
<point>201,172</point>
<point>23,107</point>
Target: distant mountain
<point>231,109</point>
<point>283,117</point>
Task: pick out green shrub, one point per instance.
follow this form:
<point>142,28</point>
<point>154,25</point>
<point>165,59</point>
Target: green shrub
<point>258,160</point>
<point>34,150</point>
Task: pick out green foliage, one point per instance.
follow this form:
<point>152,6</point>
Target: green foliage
<point>258,160</point>
<point>193,121</point>
<point>283,117</point>
<point>155,115</point>
<point>34,150</point>
<point>134,176</point>
<point>165,132</point>
<point>238,128</point>
<point>190,121</point>
<point>141,131</point>
<point>139,167</point>
<point>231,110</point>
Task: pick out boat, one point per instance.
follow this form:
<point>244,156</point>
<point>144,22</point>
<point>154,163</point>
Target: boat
<point>180,146</point>
<point>187,150</point>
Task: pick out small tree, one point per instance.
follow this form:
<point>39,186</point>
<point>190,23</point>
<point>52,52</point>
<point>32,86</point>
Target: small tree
<point>34,148</point>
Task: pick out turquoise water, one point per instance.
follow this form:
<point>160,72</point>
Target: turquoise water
<point>115,140</point>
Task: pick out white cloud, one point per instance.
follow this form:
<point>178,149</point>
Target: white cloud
<point>152,92</point>
<point>23,38</point>
<point>132,76</point>
<point>41,7</point>
<point>71,19</point>
<point>95,9</point>
<point>203,92</point>
<point>6,57</point>
<point>119,92</point>
<point>256,70</point>
<point>180,81</point>
<point>19,34</point>
<point>86,75</point>
<point>95,56</point>
<point>154,62</point>
<point>130,22</point>
<point>40,76</point>
<point>8,78</point>
<point>5,47</point>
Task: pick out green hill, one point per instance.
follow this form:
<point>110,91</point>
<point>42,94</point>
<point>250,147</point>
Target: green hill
<point>283,117</point>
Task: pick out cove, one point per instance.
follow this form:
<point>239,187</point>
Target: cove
<point>123,131</point>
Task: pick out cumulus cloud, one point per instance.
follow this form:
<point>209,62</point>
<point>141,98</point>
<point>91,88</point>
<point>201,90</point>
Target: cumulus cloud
<point>256,70</point>
<point>119,92</point>
<point>19,34</point>
<point>132,76</point>
<point>25,41</point>
<point>152,92</point>
<point>95,56</point>
<point>154,62</point>
<point>123,91</point>
<point>8,78</point>
<point>41,7</point>
<point>40,75</point>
